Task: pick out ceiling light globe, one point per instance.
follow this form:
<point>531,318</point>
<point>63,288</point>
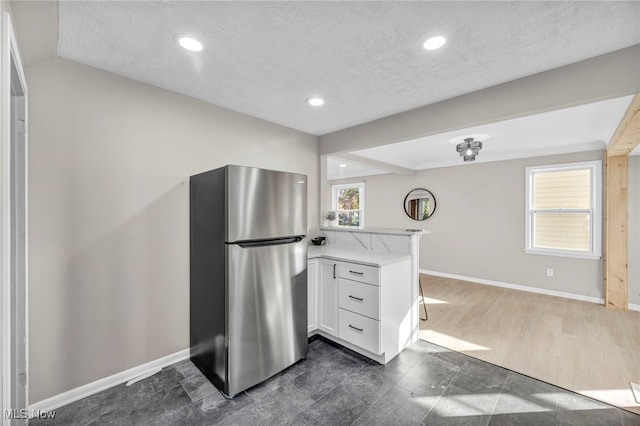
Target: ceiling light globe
<point>315,101</point>
<point>190,43</point>
<point>434,43</point>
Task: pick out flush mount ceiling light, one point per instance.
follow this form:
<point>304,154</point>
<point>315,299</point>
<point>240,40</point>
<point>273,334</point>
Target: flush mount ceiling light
<point>469,149</point>
<point>434,43</point>
<point>315,101</point>
<point>190,43</point>
<point>343,165</point>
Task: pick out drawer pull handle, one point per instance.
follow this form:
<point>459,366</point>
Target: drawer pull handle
<point>356,328</point>
<point>356,298</point>
<point>356,272</point>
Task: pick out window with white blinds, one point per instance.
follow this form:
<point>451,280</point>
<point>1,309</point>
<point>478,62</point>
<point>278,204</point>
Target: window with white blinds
<point>564,209</point>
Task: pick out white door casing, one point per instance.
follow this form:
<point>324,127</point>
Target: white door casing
<point>14,227</point>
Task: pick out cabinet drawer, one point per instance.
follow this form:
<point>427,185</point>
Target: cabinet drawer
<point>363,299</point>
<point>362,273</point>
<point>359,330</point>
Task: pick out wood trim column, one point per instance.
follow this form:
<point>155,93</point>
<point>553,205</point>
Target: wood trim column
<point>616,208</point>
<point>616,283</point>
<point>627,135</point>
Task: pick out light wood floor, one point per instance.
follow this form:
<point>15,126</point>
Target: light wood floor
<point>579,346</point>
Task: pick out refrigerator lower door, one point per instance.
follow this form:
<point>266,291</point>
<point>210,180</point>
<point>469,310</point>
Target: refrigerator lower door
<point>266,310</point>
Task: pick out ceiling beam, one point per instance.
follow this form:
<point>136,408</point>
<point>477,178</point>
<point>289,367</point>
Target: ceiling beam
<point>368,162</point>
<point>608,76</point>
<point>627,135</point>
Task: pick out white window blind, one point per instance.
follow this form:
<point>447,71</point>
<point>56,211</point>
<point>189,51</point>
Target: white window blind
<point>564,209</point>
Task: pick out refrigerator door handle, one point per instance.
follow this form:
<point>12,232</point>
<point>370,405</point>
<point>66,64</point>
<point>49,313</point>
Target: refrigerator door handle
<point>273,242</point>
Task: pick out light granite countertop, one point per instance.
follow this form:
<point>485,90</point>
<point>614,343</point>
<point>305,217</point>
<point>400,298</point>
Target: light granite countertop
<point>363,257</point>
<point>391,231</point>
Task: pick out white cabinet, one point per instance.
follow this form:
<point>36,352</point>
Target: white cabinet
<point>328,296</point>
<point>367,289</point>
<point>364,307</point>
<point>360,330</point>
<point>374,305</point>
<point>359,305</point>
<point>312,295</point>
<point>363,299</point>
<point>363,273</point>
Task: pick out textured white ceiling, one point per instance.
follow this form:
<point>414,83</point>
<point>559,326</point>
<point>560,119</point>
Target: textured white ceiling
<point>265,58</point>
<point>582,128</point>
<point>350,169</point>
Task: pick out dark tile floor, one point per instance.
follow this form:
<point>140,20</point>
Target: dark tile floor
<point>426,384</point>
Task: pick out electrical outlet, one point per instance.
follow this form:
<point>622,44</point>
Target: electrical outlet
<point>549,272</point>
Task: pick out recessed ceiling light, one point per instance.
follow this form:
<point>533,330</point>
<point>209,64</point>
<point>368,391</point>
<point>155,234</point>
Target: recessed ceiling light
<point>190,43</point>
<point>315,101</point>
<point>435,43</point>
<point>343,165</point>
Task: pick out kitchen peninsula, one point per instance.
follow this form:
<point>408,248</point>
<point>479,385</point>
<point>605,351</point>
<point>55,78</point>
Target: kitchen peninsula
<point>363,289</point>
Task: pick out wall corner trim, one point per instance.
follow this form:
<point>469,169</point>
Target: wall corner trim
<point>99,385</point>
<point>529,289</point>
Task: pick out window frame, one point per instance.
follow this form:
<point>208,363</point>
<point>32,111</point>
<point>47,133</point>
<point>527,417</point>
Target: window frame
<point>334,200</point>
<point>594,210</point>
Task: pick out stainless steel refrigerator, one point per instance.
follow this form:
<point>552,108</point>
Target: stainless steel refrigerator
<point>248,300</point>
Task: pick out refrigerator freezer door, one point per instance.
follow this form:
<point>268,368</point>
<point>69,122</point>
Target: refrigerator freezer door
<point>264,204</point>
<point>266,311</point>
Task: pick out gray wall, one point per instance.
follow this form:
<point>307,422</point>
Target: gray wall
<point>109,224</point>
<point>634,230</point>
<point>478,228</point>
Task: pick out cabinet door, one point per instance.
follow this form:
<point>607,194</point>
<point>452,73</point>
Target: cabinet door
<point>328,295</point>
<point>312,295</point>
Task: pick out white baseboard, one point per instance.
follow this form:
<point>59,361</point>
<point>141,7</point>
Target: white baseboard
<point>105,383</point>
<point>633,307</point>
<point>518,287</point>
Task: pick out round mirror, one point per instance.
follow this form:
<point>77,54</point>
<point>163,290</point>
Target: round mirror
<point>419,204</point>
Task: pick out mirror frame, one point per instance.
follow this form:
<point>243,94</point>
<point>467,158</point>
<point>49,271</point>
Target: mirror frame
<point>404,204</point>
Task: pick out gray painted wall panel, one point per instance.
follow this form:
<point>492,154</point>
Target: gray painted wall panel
<point>109,221</point>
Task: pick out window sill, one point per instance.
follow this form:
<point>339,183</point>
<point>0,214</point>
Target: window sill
<point>563,253</point>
